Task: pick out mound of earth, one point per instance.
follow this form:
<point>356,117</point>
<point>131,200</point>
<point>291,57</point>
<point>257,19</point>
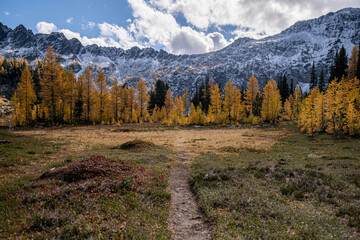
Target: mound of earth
<point>94,167</point>
<point>136,145</point>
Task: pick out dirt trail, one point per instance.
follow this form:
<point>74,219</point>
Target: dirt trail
<point>185,221</point>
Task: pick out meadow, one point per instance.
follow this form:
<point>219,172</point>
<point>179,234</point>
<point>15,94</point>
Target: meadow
<point>113,182</point>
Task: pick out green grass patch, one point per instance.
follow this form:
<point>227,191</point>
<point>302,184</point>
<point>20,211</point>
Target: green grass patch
<point>302,188</point>
<point>21,150</point>
<point>112,195</point>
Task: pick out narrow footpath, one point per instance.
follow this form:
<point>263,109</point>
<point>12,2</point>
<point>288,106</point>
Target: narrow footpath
<point>185,220</point>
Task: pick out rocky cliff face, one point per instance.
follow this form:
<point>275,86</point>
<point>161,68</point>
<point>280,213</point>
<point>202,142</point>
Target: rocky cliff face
<point>290,52</point>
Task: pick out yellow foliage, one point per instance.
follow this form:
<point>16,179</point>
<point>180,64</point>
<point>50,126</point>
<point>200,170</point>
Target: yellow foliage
<point>250,94</point>
<point>271,106</point>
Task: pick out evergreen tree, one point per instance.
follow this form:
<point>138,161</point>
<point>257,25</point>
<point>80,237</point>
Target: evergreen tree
<point>158,96</point>
<point>313,78</point>
<point>205,93</point>
<point>196,98</point>
<point>284,88</point>
<point>292,89</point>
<point>321,84</point>
<point>342,64</point>
<point>338,69</point>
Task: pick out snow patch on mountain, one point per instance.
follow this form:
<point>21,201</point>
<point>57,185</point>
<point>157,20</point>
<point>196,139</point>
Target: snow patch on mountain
<point>290,52</point>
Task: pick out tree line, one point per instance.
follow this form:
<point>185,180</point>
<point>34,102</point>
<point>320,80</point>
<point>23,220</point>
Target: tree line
<point>61,98</point>
<point>336,109</point>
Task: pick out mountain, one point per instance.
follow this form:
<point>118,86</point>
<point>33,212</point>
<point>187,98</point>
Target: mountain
<point>290,52</point>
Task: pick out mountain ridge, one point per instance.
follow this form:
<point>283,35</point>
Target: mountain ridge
<point>289,52</point>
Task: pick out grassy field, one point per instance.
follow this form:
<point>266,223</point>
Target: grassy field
<point>301,188</point>
<point>104,191</point>
<point>112,182</point>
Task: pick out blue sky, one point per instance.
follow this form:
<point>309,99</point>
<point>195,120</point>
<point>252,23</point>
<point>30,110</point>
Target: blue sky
<point>177,26</point>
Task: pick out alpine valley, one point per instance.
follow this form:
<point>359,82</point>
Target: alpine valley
<point>291,52</point>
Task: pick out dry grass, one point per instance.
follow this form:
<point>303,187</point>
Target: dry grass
<point>194,140</point>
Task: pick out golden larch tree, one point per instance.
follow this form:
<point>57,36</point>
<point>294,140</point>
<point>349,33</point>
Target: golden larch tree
<point>89,93</point>
<point>229,99</point>
<point>307,117</point>
<point>352,120</point>
<point>237,109</point>
<point>169,102</point>
<point>297,103</point>
<point>215,109</point>
<point>115,94</point>
<point>352,69</point>
<point>25,97</point>
<point>50,81</point>
<point>250,94</point>
<point>271,106</point>
<point>72,94</point>
<point>124,104</point>
<point>79,98</point>
<point>334,107</point>
<point>142,99</point>
<point>320,116</point>
<point>132,105</point>
<point>288,114</point>
<point>102,95</point>
<point>186,101</point>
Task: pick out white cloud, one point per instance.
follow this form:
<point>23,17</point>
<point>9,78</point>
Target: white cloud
<point>218,40</point>
<point>154,23</point>
<point>161,28</point>
<point>69,20</point>
<point>247,32</point>
<point>45,27</point>
<point>90,25</point>
<point>7,13</point>
<point>110,35</point>
<point>261,15</point>
<point>119,35</point>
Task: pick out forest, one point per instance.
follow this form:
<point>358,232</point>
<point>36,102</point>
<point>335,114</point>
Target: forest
<point>49,94</point>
